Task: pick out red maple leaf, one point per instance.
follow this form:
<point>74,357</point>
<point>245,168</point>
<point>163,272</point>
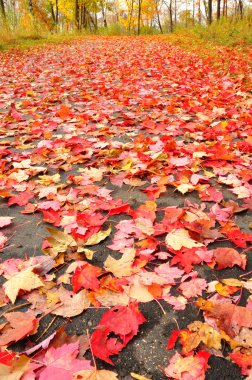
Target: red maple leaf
<point>123,321</point>
<point>86,276</point>
<point>211,195</point>
<point>227,257</point>
<point>22,199</point>
<point>242,360</point>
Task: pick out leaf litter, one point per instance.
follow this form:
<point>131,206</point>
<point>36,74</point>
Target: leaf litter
<point>137,168</point>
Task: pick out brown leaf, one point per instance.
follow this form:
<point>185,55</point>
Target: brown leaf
<point>73,304</point>
<point>229,318</point>
<point>20,325</point>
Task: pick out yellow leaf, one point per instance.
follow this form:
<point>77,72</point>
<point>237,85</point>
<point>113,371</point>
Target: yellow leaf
<point>94,374</point>
<point>24,280</point>
<point>61,237</point>
<point>128,165</point>
<point>179,238</point>
<point>231,282</point>
<point>16,370</point>
<point>185,187</point>
<point>123,266</point>
<point>138,377</point>
<point>99,236</point>
<point>88,252</point>
<point>49,179</point>
<point>140,292</point>
<point>109,298</point>
<point>202,333</point>
<point>225,290</point>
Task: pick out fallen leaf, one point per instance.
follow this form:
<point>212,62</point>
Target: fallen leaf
<point>228,257</point>
<point>62,361</point>
<point>16,369</point>
<point>123,321</point>
<point>86,276</point>
<point>98,237</point>
<point>95,374</point>
<point>122,267</point>
<point>5,221</point>
<point>190,367</point>
<point>24,280</point>
<point>179,238</point>
<point>229,318</point>
<point>20,325</point>
<point>73,304</point>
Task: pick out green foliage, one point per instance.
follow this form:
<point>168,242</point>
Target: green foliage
<point>229,32</point>
<point>112,30</point>
<point>149,30</point>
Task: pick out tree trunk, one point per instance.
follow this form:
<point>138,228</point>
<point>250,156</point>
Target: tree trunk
<point>218,9</point>
<point>77,14</point>
<point>210,12</point>
<point>105,24</point>
<point>175,13</point>
<point>158,19</point>
<point>52,12</point>
<point>205,8</point>
<point>240,8</point>
<point>56,12</point>
<point>131,15</point>
<point>224,12</point>
<point>199,13</point>
<point>2,7</point>
<point>193,12</point>
<point>139,17</point>
<point>31,7</point>
<point>171,19</point>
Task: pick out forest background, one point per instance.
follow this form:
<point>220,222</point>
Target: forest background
<point>227,22</point>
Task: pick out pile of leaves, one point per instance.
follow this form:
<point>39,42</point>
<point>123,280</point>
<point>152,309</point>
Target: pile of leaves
<point>136,156</point>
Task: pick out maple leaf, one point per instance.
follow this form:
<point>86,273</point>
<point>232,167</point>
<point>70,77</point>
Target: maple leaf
<point>190,367</point>
<point>122,267</point>
<point>15,369</point>
<point>179,238</point>
<point>186,258</point>
<point>3,240</point>
<point>242,360</point>
<point>198,333</point>
<point>178,303</point>
<point>211,195</point>
<point>96,238</point>
<point>227,257</point>
<point>109,298</point>
<point>20,325</point>
<point>5,221</point>
<point>86,276</point>
<point>14,113</point>
<point>239,238</point>
<point>95,374</point>
<point>193,288</point>
<point>21,200</point>
<point>73,304</point>
<point>122,321</point>
<point>64,112</point>
<point>24,280</point>
<point>242,192</point>
<point>229,318</point>
<point>62,362</point>
<point>168,273</point>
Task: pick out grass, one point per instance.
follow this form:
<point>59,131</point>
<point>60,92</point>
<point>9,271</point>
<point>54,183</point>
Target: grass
<point>224,33</point>
<point>230,32</point>
<point>31,38</point>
